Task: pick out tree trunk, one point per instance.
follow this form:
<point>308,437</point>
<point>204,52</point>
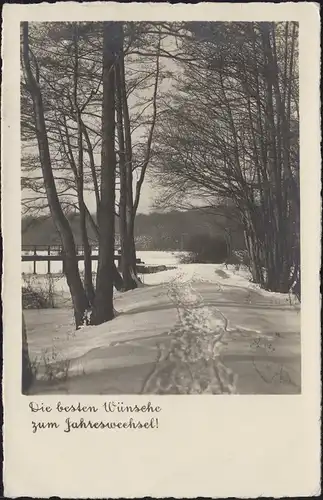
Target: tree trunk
<point>130,215</point>
<point>125,235</point>
<point>88,282</point>
<point>132,245</point>
<point>79,182</point>
<point>80,301</point>
<point>103,302</point>
<point>79,175</point>
<point>27,375</point>
<point>117,278</point>
<point>92,166</point>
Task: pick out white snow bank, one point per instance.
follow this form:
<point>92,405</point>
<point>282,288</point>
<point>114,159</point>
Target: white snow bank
<point>196,298</point>
<point>220,275</point>
<point>149,312</point>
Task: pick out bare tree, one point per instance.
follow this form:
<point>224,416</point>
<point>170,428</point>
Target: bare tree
<point>72,87</point>
<point>129,162</point>
<point>126,256</point>
<point>80,301</point>
<point>103,303</point>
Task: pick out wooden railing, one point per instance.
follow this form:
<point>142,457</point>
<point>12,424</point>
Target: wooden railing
<point>58,256</point>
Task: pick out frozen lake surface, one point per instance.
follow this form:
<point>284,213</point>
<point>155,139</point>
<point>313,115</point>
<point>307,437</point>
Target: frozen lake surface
<point>148,257</point>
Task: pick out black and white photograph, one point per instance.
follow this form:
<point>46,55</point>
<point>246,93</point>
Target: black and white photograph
<point>160,210</point>
<point>160,216</point>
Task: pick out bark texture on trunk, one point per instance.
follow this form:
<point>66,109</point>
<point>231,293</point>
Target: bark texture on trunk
<point>79,175</point>
<point>103,302</point>
<point>125,235</point>
<point>117,278</point>
<point>130,214</point>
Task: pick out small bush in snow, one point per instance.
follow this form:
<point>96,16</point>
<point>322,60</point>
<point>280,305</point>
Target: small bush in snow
<point>34,364</point>
<point>296,290</point>
<point>38,295</point>
<point>238,258</point>
<point>187,258</point>
<point>204,248</point>
<point>56,367</point>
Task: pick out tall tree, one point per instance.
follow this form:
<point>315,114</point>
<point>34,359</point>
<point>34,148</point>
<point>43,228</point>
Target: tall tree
<point>103,303</point>
<point>125,240</point>
<point>134,160</point>
<point>71,80</point>
<point>79,298</point>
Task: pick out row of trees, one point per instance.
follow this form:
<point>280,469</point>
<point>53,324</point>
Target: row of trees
<point>154,231</point>
<point>79,81</point>
<point>230,134</point>
<point>95,114</point>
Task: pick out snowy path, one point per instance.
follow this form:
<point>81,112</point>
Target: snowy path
<point>200,329</point>
<point>190,362</point>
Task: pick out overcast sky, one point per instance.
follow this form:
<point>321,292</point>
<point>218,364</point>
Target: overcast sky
<point>147,197</point>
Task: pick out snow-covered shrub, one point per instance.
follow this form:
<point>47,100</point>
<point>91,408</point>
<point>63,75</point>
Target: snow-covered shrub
<point>238,258</point>
<point>188,258</point>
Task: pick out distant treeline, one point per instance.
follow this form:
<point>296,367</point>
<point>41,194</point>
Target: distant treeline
<point>155,231</point>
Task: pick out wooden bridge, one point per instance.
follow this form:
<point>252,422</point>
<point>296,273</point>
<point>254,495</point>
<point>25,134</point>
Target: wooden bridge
<point>54,253</point>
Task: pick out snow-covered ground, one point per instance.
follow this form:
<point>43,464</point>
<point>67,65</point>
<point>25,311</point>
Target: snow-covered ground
<point>201,328</point>
<point>149,258</point>
<point>57,283</point>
